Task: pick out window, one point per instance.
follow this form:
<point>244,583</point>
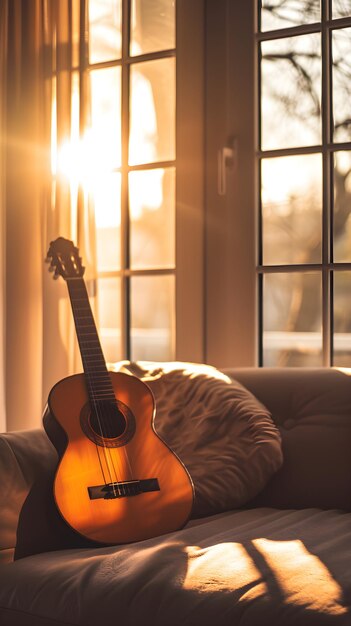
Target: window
<point>278,247</point>
<point>304,171</point>
<point>132,77</point>
<point>136,123</point>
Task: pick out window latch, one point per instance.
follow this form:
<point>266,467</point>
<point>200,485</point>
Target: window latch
<point>226,160</point>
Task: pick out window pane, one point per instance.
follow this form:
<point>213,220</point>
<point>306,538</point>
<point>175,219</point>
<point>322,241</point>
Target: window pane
<point>152,109</point>
<point>341,84</point>
<point>287,13</point>
<point>152,218</point>
<point>106,196</point>
<point>341,8</point>
<point>109,317</point>
<point>152,308</point>
<point>292,209</point>
<point>105,37</point>
<point>291,92</point>
<point>342,319</point>
<point>342,207</point>
<point>292,319</point>
<point>152,26</point>
<point>75,32</point>
<point>106,117</point>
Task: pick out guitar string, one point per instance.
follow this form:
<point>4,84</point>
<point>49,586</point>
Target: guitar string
<point>112,473</point>
<point>98,415</point>
<point>105,419</point>
<point>116,484</point>
<point>122,449</point>
<point>101,467</point>
<point>108,420</point>
<point>102,414</point>
<point>105,453</point>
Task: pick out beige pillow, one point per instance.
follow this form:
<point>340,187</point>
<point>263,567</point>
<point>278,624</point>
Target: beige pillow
<point>225,437</point>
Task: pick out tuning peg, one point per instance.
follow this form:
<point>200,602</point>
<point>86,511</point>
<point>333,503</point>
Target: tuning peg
<point>47,259</point>
<point>55,276</point>
<point>51,268</point>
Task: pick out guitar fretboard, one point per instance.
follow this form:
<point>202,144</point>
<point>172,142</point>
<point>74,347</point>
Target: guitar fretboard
<point>96,374</point>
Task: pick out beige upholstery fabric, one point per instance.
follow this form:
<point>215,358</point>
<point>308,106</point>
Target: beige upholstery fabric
<point>224,436</point>
<point>262,567</point>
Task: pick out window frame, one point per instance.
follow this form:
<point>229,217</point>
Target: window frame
<point>327,148</point>
<point>188,270</point>
<point>231,305</point>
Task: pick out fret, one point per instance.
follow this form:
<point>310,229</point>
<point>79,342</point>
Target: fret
<point>102,391</point>
<point>102,373</point>
<point>91,340</point>
<point>102,394</point>
<point>86,328</point>
<point>95,349</point>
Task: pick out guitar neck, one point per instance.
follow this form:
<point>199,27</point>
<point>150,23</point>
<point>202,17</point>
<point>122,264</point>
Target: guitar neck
<point>96,374</point>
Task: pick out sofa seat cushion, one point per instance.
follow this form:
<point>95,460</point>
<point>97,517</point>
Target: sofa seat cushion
<point>225,437</point>
<point>244,568</point>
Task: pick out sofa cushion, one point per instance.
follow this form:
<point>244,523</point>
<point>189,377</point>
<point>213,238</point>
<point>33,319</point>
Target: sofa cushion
<point>225,437</point>
<point>312,408</point>
<point>261,567</point>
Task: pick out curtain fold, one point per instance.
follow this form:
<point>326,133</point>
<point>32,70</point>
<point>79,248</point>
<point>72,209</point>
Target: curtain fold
<point>58,360</point>
<point>3,48</point>
<point>39,201</point>
<point>24,189</point>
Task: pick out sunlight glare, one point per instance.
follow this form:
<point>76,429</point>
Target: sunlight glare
<point>86,161</point>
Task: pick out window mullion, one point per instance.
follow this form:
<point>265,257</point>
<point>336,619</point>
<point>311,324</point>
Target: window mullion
<point>327,156</point>
<point>125,286</point>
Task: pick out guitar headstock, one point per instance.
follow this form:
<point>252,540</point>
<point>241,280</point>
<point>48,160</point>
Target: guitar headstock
<point>64,259</point>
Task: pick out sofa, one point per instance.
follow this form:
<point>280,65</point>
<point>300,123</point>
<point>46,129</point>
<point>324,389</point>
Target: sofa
<point>283,558</point>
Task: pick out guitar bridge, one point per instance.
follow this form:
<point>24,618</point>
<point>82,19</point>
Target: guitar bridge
<point>123,489</point>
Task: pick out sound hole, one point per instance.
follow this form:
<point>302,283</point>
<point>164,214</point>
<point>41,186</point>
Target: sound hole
<point>108,423</point>
<point>106,420</point>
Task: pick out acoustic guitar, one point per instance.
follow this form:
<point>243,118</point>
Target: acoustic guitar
<point>116,481</point>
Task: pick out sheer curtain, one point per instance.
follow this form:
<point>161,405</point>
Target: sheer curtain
<point>3,46</point>
<point>39,44</point>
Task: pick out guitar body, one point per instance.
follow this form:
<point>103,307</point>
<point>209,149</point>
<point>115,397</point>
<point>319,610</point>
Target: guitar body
<point>116,489</point>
